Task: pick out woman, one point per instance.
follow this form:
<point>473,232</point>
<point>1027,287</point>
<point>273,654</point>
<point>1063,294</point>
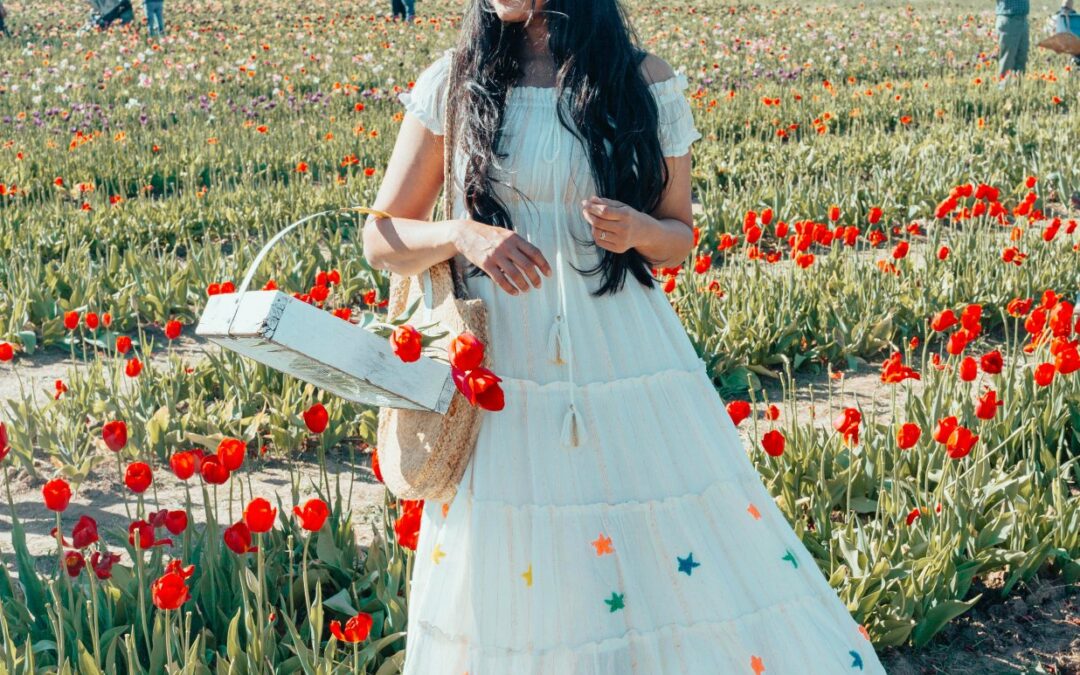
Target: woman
<point>609,521</point>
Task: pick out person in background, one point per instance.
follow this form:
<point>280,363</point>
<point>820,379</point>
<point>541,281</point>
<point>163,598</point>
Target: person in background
<point>1013,36</point>
<point>155,16</point>
<point>1067,19</point>
<point>3,23</point>
<point>406,9</point>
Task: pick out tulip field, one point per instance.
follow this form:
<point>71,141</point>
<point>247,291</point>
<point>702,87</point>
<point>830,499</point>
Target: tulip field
<point>884,290</point>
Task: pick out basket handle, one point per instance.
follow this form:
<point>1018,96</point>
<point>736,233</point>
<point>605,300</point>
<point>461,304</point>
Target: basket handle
<point>277,237</point>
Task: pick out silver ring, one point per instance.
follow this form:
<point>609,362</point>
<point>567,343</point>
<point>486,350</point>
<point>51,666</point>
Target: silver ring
<point>603,236</point>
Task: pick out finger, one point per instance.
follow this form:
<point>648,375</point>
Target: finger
<point>606,211</point>
<point>536,256</point>
<point>500,279</point>
<point>526,265</point>
<point>598,223</point>
<point>510,270</point>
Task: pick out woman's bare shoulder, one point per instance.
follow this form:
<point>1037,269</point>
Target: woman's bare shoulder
<point>656,69</point>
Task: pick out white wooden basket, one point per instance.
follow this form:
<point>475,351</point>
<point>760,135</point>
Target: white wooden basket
<point>313,345</point>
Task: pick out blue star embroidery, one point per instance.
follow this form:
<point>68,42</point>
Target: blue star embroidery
<point>687,564</point>
<point>790,557</point>
<point>856,659</point>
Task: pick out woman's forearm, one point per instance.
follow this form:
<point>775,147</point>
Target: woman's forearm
<point>667,241</point>
<point>407,246</point>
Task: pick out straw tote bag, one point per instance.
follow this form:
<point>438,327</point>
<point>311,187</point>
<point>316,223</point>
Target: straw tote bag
<point>423,454</point>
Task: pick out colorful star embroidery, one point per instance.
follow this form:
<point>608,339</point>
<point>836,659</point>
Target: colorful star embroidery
<point>445,508</point>
<point>603,546</point>
<point>527,576</point>
<point>754,512</point>
<point>857,660</point>
<point>757,665</point>
<point>790,557</point>
<point>865,633</point>
<point>438,554</point>
<point>687,564</point>
<point>615,602</point>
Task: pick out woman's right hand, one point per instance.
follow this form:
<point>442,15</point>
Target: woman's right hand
<point>503,254</point>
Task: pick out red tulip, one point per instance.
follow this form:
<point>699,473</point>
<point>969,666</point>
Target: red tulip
<point>988,405</point>
<point>213,471</point>
<point>115,435</point>
<point>912,515</point>
<point>834,213</point>
<point>991,362</point>
<point>1044,374</point>
<point>945,426</point>
<point>943,320</point>
<point>84,533</point>
<point>893,371</point>
<point>238,539</point>
<point>259,515</point>
<point>960,442</point>
<point>772,413</point>
<point>57,494</point>
<point>71,320</point>
<point>7,352</point>
<point>357,628</point>
<point>466,351</point>
<point>908,435</point>
<point>375,465</point>
<point>91,321</point>
<point>123,344</point>
<point>773,443</point>
<point>738,411</point>
<point>106,319</point>
<point>74,562</point>
<point>847,423</point>
<point>480,387</point>
<point>133,367</point>
<point>184,464</point>
<point>172,329</point>
<point>231,452</point>
<point>969,369</point>
<point>407,525</point>
<point>316,418</point>
<point>313,514</point>
<point>142,536</point>
<point>406,343</point>
<point>170,591</point>
<point>103,563</point>
<point>138,477</point>
<point>5,448</point>
<point>875,215</point>
<point>176,522</point>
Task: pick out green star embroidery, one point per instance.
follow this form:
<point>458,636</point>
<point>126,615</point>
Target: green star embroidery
<point>687,564</point>
<point>790,557</point>
<point>615,602</point>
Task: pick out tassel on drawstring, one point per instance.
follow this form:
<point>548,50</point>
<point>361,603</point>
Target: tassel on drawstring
<point>557,338</point>
<point>573,429</point>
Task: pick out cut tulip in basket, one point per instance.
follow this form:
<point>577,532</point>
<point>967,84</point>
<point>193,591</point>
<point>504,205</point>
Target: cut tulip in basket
<point>430,375</point>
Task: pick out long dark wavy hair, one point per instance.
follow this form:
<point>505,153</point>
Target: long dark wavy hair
<point>610,106</point>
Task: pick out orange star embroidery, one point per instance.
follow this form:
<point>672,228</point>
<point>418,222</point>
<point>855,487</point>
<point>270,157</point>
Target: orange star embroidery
<point>603,545</point>
<point>754,512</point>
<point>445,508</point>
<point>757,665</point>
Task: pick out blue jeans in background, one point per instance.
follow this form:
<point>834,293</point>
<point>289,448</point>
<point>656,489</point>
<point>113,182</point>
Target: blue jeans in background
<point>155,17</point>
<point>404,8</point>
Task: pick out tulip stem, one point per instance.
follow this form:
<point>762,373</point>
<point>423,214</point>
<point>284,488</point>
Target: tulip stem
<point>307,594</point>
<point>120,471</point>
<point>94,635</point>
<point>261,599</point>
<point>168,640</point>
<point>142,593</point>
<point>60,660</point>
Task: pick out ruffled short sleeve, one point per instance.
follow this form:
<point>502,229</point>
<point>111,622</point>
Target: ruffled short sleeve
<point>677,130</point>
<point>427,97</point>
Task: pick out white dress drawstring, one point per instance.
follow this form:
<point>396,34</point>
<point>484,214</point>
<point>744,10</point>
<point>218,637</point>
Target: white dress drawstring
<point>560,349</point>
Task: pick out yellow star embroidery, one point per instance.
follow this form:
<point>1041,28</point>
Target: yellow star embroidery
<point>602,545</point>
<point>754,512</point>
<point>757,665</point>
<point>527,576</point>
<point>438,554</point>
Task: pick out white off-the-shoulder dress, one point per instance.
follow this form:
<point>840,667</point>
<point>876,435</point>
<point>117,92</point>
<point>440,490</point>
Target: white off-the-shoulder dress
<point>610,521</point>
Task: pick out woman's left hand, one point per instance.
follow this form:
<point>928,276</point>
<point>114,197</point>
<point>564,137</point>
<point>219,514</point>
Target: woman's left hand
<point>616,227</point>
